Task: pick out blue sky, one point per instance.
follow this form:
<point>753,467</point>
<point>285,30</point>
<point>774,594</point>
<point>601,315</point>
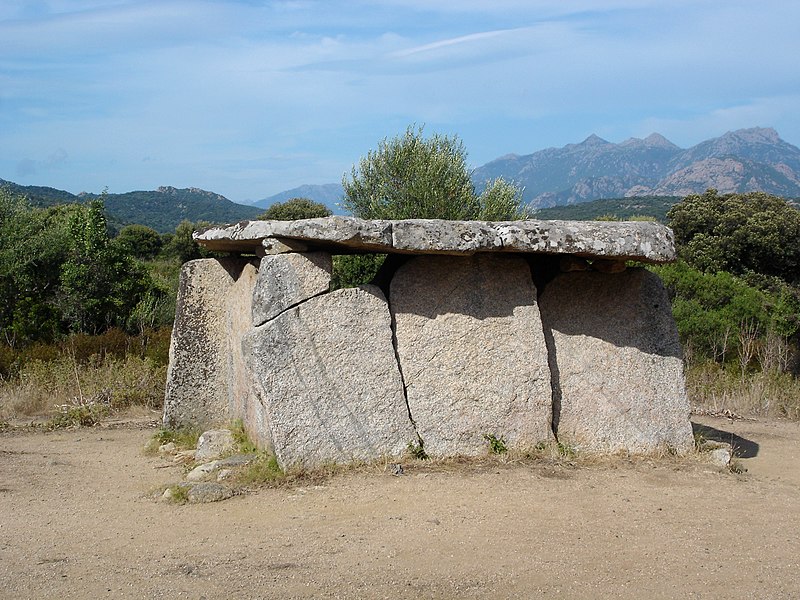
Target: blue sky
<point>249,98</point>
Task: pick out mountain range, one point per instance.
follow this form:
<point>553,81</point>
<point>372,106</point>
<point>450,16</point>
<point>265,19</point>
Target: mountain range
<point>754,159</point>
<point>745,160</point>
<point>329,194</point>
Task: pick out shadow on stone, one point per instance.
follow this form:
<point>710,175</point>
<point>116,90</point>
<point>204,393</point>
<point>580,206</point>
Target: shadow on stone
<point>742,447</point>
<point>475,286</point>
<point>555,378</point>
<point>629,309</point>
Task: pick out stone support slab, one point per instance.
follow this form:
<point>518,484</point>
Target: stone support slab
<point>617,367</point>
<point>207,379</point>
<point>472,352</point>
<point>329,381</point>
<point>285,280</point>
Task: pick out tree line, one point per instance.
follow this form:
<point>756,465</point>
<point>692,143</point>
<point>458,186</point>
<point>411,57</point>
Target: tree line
<point>735,288</point>
<point>61,272</point>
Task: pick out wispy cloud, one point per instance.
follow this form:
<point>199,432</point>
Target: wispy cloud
<point>248,96</point>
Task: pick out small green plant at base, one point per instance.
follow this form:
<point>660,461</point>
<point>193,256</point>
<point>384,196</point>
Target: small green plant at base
<point>243,443</point>
<point>552,451</point>
<point>566,450</point>
<point>184,438</point>
<point>178,494</point>
<point>496,445</point>
<point>417,450</point>
<point>264,469</point>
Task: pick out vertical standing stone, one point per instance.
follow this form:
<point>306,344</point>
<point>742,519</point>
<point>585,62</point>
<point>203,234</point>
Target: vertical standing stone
<point>329,382</point>
<point>618,374</point>
<point>472,352</point>
<point>207,380</point>
<point>285,280</point>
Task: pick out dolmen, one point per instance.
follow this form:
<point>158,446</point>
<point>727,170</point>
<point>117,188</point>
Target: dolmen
<point>528,332</point>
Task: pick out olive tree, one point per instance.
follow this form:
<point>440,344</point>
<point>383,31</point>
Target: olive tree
<point>413,177</point>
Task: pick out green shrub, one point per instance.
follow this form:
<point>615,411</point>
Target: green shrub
<point>720,317</point>
<point>414,177</point>
<point>496,445</point>
<point>294,209</point>
<point>352,270</point>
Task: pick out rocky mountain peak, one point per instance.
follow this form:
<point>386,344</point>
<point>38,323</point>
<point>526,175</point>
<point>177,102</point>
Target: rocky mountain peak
<point>654,140</point>
<point>594,140</point>
<point>754,135</point>
<point>738,161</point>
<point>659,141</point>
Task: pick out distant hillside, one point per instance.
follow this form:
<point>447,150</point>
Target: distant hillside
<point>162,209</point>
<point>165,207</point>
<point>746,160</point>
<point>329,194</point>
<point>38,195</point>
<point>621,208</point>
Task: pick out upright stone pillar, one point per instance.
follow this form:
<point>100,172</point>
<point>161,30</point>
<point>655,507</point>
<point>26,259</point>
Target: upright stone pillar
<point>617,370</point>
<point>207,379</point>
<point>328,380</point>
<point>472,352</point>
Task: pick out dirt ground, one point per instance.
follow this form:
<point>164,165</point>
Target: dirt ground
<point>77,520</point>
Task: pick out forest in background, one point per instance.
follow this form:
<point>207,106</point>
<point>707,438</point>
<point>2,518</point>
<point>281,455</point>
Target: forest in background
<point>87,309</point>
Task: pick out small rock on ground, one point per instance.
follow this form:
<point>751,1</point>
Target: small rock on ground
<point>214,443</point>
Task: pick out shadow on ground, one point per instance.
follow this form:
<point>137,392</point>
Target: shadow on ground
<point>742,447</point>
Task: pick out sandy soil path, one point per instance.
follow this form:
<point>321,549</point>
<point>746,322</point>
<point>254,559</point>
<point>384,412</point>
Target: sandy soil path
<point>76,521</point>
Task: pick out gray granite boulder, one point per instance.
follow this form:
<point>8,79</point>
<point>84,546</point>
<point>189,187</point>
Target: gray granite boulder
<point>285,280</point>
<point>207,383</point>
<point>617,369</point>
<point>213,444</point>
<point>329,381</point>
<point>472,352</point>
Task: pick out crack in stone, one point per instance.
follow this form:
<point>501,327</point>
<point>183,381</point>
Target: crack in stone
<point>295,305</point>
<point>555,377</point>
<point>420,441</point>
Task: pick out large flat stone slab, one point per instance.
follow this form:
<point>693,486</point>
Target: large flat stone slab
<point>329,381</point>
<point>329,233</point>
<point>618,373</point>
<point>472,352</point>
<point>643,241</point>
<point>207,379</point>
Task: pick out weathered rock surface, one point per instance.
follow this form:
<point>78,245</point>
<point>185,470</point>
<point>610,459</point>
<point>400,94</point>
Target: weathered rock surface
<point>214,443</point>
<point>204,492</point>
<point>200,472</point>
<point>472,352</point>
<point>329,380</point>
<point>649,242</point>
<point>335,232</point>
<point>285,280</point>
<point>242,398</point>
<point>205,378</point>
<point>617,369</point>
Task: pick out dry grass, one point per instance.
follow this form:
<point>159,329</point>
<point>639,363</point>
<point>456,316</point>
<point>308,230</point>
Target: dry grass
<point>43,386</point>
<point>766,393</point>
